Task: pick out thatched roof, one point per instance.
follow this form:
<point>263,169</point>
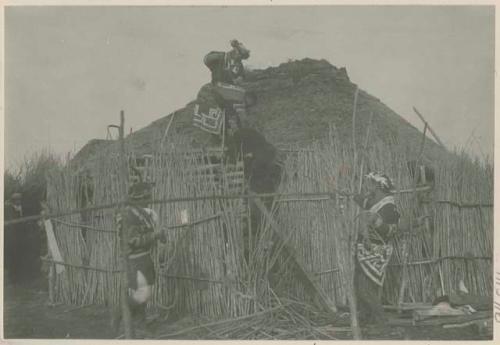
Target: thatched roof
<point>88,151</point>
<point>297,103</point>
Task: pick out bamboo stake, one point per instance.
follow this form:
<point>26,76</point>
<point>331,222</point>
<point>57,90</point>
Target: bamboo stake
<point>430,129</point>
<point>168,127</point>
<point>356,331</point>
<point>364,152</point>
<point>126,314</point>
<point>52,283</point>
<point>223,131</point>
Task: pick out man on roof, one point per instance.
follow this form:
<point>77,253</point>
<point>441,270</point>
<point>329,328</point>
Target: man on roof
<point>224,99</point>
<point>378,224</point>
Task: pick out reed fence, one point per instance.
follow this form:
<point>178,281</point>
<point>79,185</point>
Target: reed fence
<point>215,267</point>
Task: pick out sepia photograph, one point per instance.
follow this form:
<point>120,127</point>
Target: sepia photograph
<point>261,172</point>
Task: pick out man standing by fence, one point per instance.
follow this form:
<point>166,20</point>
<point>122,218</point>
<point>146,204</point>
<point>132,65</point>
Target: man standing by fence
<point>373,248</point>
<point>139,222</point>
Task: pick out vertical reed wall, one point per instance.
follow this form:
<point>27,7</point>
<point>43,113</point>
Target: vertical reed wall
<point>205,269</point>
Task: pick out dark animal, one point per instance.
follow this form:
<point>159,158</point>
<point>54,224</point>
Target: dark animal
<point>262,170</point>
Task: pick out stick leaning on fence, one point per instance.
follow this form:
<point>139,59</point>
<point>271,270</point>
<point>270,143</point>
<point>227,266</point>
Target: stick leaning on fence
<point>353,234</point>
<point>126,314</point>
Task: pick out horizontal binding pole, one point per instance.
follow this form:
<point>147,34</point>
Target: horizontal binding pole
<point>218,176</point>
<point>303,199</point>
<point>193,278</point>
<point>462,205</point>
<point>202,220</point>
<point>412,190</point>
<point>86,227</point>
<point>90,268</point>
<point>197,151</point>
<point>205,167</point>
<point>196,222</point>
<point>333,270</point>
<point>168,227</point>
<point>167,201</point>
<point>433,261</point>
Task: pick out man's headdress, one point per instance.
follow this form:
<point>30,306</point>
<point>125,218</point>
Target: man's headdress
<point>383,181</point>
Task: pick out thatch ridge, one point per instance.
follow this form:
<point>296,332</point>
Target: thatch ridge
<point>297,103</point>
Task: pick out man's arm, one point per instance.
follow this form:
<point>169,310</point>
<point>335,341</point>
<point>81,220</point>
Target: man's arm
<point>136,238</point>
<point>362,200</point>
<point>390,214</point>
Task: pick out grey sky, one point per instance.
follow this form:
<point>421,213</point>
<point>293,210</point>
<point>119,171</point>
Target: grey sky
<point>70,70</point>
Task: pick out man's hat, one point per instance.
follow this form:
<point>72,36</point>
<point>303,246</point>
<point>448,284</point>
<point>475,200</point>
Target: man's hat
<point>244,52</point>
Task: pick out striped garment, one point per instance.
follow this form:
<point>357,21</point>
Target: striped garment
<point>139,224</point>
<point>224,68</point>
<point>373,259</point>
<point>215,103</point>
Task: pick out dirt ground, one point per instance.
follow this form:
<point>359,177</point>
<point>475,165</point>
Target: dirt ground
<point>27,314</point>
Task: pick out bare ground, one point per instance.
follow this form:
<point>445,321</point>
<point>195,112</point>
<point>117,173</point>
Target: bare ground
<point>27,314</point>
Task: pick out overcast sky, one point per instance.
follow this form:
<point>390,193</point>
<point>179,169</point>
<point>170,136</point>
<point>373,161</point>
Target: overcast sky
<point>70,70</point>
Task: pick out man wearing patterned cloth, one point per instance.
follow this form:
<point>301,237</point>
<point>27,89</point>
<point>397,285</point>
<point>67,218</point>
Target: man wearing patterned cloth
<point>223,97</point>
<point>373,248</point>
<point>139,222</point>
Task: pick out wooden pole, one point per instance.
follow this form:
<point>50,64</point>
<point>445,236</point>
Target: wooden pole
<point>364,152</point>
<point>354,108</point>
<point>351,292</point>
<point>305,276</point>
<point>352,295</point>
<point>127,317</point>
<point>215,197</point>
<point>429,127</point>
<point>52,283</point>
<point>223,130</point>
<point>166,130</point>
